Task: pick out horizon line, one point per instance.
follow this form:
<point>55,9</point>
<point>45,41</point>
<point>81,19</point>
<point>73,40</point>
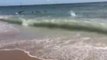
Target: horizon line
<point>54,4</point>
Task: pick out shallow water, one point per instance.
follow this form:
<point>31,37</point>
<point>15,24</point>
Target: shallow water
<point>57,44</point>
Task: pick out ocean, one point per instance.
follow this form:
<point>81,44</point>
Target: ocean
<point>74,31</point>
<point>80,10</point>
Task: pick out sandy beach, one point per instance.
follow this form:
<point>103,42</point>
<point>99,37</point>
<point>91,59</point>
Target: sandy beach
<point>15,55</point>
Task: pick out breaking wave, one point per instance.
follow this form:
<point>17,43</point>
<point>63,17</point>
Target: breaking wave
<point>85,25</point>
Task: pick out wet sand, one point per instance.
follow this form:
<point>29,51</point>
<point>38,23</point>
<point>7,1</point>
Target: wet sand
<point>15,55</point>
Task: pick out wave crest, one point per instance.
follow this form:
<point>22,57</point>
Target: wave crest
<point>64,24</point>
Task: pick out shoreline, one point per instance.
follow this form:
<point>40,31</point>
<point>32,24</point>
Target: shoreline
<point>15,55</point>
<point>49,44</point>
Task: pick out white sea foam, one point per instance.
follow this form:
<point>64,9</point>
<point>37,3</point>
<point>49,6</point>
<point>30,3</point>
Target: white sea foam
<point>59,49</point>
<point>7,28</point>
<point>72,13</point>
<point>5,16</point>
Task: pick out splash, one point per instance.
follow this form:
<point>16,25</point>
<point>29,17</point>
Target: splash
<point>73,14</point>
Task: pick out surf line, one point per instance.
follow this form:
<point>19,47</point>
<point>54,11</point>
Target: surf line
<point>63,24</point>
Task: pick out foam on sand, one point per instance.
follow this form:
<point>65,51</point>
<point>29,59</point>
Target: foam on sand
<point>77,46</point>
